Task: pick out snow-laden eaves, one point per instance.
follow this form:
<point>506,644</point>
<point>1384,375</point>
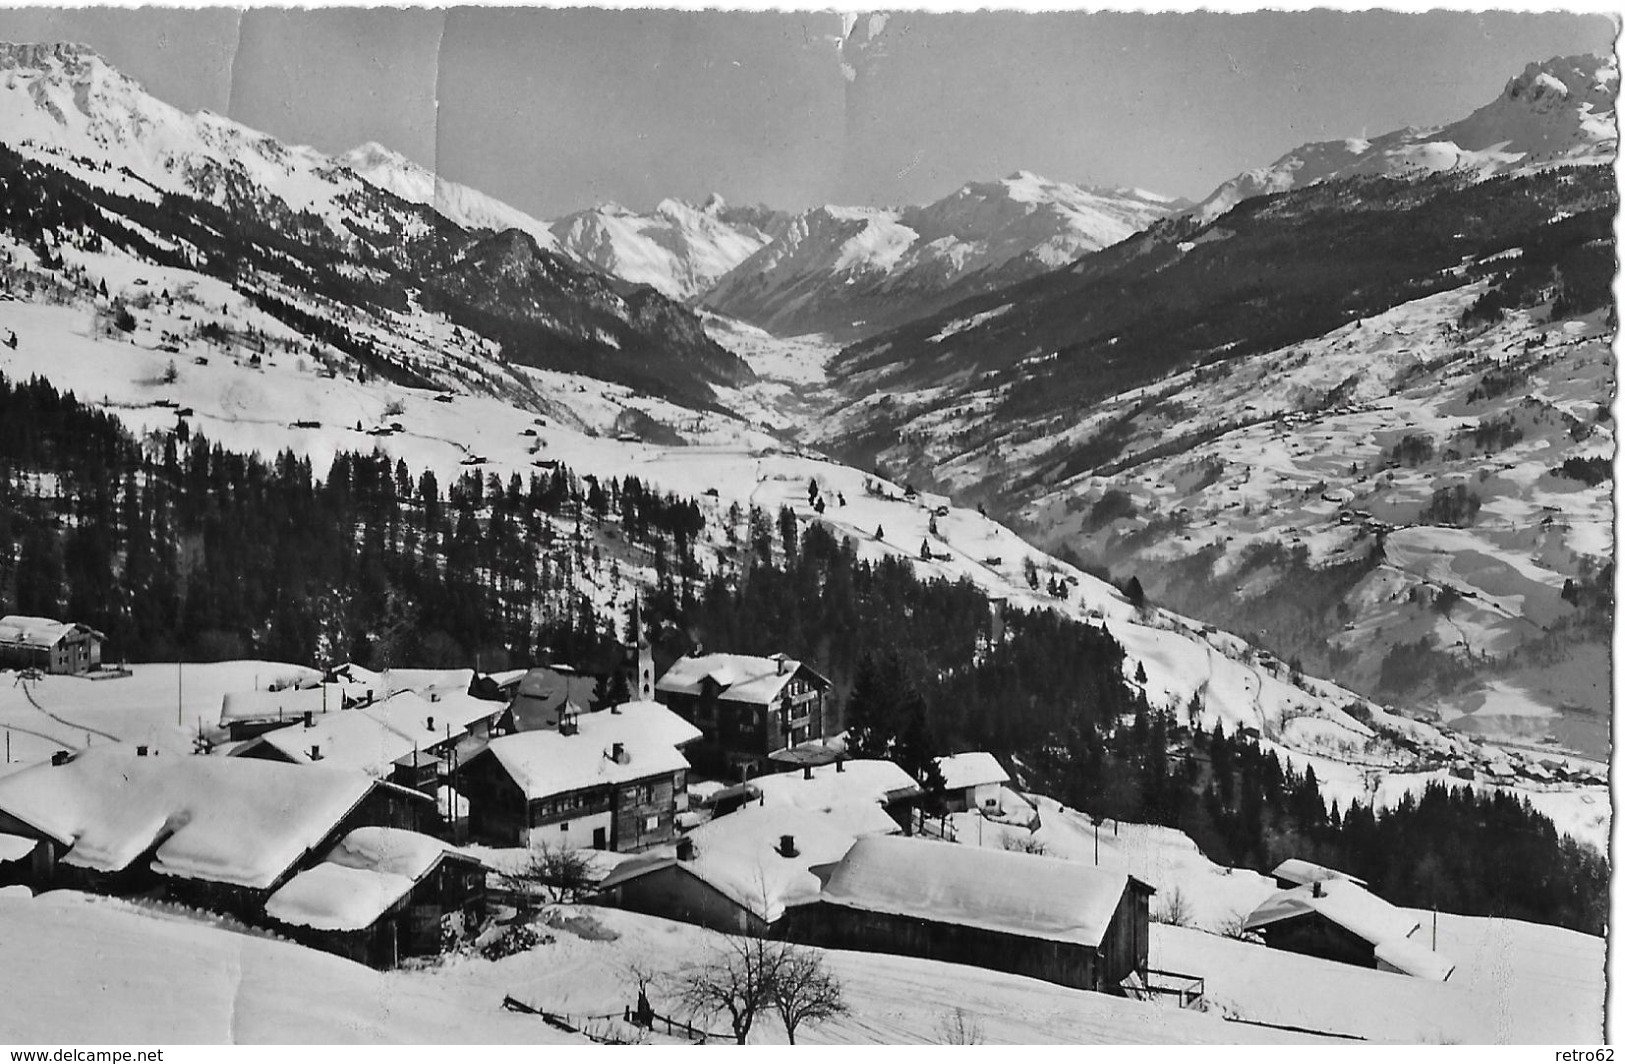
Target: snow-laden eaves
<point>995,890</point>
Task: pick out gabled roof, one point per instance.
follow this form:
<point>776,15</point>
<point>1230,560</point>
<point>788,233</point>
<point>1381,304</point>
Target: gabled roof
<point>545,763</point>
<point>835,785</point>
<point>975,769</point>
<point>375,736</point>
<point>1344,903</point>
<point>1350,906</point>
<point>369,871</point>
<point>288,704</point>
<point>231,820</point>
<point>1296,870</point>
<point>995,890</point>
<point>739,677</point>
<point>39,632</point>
<point>738,856</point>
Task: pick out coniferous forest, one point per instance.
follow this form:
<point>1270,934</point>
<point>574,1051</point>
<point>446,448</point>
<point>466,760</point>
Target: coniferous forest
<point>177,548</point>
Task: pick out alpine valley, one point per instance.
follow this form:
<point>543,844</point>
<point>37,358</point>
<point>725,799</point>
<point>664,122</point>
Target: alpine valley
<point>1320,467</point>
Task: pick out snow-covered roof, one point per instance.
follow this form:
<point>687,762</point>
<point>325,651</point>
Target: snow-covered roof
<point>738,856</point>
<point>290,703</point>
<point>1415,959</point>
<point>832,786</point>
<point>1297,870</point>
<point>996,890</point>
<point>1341,901</point>
<point>40,632</point>
<point>860,818</point>
<point>375,736</point>
<point>549,762</point>
<point>741,677</point>
<point>425,680</point>
<point>232,820</point>
<point>974,769</point>
<point>370,870</point>
<point>15,847</point>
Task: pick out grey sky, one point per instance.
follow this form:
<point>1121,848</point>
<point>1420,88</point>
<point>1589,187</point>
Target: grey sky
<point>555,110</point>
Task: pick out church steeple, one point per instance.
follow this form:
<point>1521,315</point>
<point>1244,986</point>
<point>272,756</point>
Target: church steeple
<point>644,688</point>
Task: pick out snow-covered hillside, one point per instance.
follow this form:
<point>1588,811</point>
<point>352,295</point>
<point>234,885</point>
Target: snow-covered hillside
<point>1555,112</point>
<point>854,270</point>
<point>1274,467</point>
<point>468,207</point>
<point>288,401</point>
<point>64,105</point>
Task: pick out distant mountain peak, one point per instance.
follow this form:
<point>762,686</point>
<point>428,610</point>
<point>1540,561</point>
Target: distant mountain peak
<point>1557,111</point>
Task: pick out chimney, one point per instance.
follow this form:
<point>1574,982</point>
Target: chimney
<point>617,753</point>
<point>806,772</point>
<point>434,696</point>
<point>787,846</point>
<point>431,724</point>
<point>315,753</point>
<point>61,757</point>
<point>1319,890</point>
<point>140,751</point>
<point>685,849</point>
<point>310,718</point>
<point>784,663</point>
<point>840,763</point>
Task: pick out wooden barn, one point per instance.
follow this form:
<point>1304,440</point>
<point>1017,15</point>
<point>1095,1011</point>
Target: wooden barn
<point>737,873</point>
<point>48,645</point>
<point>1055,920</point>
<point>611,780</point>
<point>1337,919</point>
<point>382,895</point>
<point>747,708</point>
<point>220,833</point>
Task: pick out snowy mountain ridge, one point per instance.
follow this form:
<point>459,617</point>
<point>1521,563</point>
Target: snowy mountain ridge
<point>678,248</point>
<point>851,271</point>
<point>1555,112</point>
<point>468,207</point>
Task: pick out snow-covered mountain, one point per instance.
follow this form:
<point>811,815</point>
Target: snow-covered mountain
<point>468,207</point>
<point>852,271</point>
<point>1559,111</point>
<point>1390,462</point>
<point>64,105</point>
<point>341,248</point>
<point>679,248</point>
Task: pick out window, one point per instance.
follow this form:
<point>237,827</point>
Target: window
<point>652,824</point>
<point>564,825</point>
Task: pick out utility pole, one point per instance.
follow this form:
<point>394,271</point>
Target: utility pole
<point>180,716</point>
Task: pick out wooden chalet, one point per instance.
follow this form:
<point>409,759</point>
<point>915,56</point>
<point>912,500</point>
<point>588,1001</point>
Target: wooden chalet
<point>1051,919</point>
<point>216,832</point>
<point>382,895</point>
<point>738,873</point>
<point>1337,919</point>
<point>747,708</point>
<point>51,646</point>
<point>611,780</point>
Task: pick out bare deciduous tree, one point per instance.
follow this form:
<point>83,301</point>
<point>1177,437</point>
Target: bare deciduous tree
<point>804,990</point>
<point>736,981</point>
<point>554,875</point>
<point>746,976</point>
